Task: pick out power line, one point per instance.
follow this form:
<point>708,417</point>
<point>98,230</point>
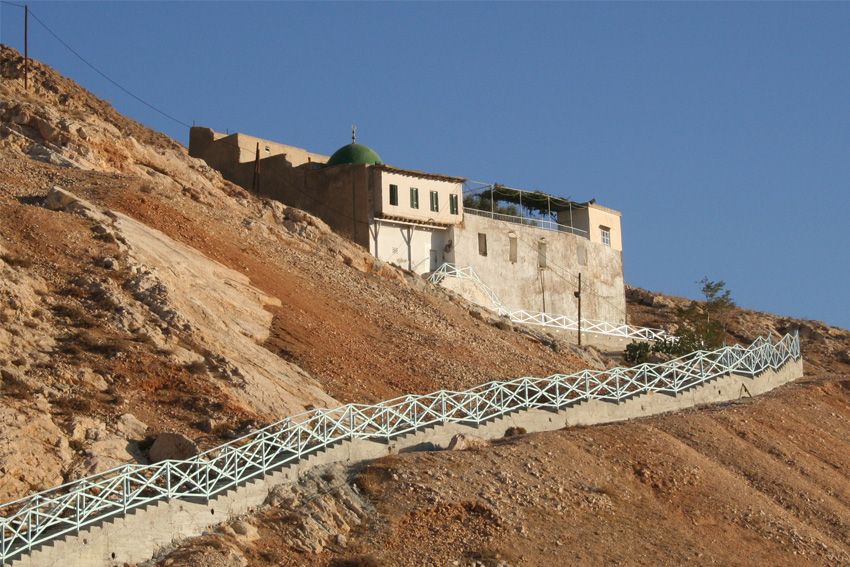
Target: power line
<point>99,72</point>
<point>178,121</point>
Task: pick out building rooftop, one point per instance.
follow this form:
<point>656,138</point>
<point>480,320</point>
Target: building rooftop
<point>423,174</point>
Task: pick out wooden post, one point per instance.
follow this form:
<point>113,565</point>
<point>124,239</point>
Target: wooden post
<point>578,296</point>
<point>492,203</point>
<point>26,47</point>
<point>520,207</point>
<point>255,182</point>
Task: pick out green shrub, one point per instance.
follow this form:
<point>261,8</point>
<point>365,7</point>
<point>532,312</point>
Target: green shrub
<point>636,353</point>
<point>703,326</point>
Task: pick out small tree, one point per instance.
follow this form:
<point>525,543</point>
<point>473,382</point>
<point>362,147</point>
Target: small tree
<point>703,325</point>
<point>706,323</point>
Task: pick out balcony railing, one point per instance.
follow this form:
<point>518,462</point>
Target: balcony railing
<point>527,221</point>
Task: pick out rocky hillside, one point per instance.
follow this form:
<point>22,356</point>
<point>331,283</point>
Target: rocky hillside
<point>760,481</point>
<point>827,348</point>
<point>142,293</point>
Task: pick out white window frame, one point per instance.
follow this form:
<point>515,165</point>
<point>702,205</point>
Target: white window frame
<point>606,235</point>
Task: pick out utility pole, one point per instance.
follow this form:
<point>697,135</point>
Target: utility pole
<point>578,296</point>
<point>255,182</point>
<point>492,203</point>
<point>26,47</point>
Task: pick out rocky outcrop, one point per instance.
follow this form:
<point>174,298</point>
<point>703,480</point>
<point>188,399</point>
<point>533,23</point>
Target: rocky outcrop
<point>197,301</point>
<point>461,442</point>
<point>320,510</point>
<point>33,450</point>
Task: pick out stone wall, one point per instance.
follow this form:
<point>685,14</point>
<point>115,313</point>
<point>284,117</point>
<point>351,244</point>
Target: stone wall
<point>415,248</point>
<point>523,284</point>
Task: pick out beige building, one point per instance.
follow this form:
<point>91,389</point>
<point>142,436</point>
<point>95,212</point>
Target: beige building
<point>528,247</point>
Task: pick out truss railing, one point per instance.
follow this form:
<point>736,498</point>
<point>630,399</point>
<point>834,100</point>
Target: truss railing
<point>547,319</point>
<point>66,509</point>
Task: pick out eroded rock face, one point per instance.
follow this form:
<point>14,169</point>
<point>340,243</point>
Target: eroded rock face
<point>209,551</point>
<point>131,427</point>
<point>320,510</point>
<point>33,451</point>
<point>26,336</point>
<point>200,302</point>
<point>100,447</point>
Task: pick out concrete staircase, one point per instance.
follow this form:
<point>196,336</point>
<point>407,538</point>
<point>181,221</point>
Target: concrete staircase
<point>141,532</point>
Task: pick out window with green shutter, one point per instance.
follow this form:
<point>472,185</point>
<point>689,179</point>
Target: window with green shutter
<point>435,201</point>
<point>414,198</point>
<point>453,204</point>
<point>394,195</point>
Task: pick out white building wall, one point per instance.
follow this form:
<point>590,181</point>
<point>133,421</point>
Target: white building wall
<point>414,248</point>
<point>425,186</point>
<point>524,285</point>
<point>591,219</point>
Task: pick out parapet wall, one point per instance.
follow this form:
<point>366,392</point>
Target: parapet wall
<point>118,541</point>
<point>225,151</point>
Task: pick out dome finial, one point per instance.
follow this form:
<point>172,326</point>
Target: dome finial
<point>354,133</point>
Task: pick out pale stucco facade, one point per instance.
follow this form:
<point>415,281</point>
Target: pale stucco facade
<point>542,272</point>
<point>407,185</point>
<point>594,220</point>
<point>415,248</point>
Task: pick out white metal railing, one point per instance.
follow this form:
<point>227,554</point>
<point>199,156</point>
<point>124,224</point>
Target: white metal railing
<point>547,319</point>
<point>528,221</point>
<point>50,514</point>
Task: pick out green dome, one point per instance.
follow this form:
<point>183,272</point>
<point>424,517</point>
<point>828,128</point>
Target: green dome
<point>355,154</point>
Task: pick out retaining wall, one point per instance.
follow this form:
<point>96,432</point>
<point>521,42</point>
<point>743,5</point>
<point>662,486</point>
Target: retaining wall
<point>141,533</point>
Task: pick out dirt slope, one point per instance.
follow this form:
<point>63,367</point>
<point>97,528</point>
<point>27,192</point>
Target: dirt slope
<point>150,295</point>
<point>761,481</point>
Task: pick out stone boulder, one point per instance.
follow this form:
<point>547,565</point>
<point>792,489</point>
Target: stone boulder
<point>57,199</point>
<point>245,531</point>
<point>172,446</point>
<point>461,442</point>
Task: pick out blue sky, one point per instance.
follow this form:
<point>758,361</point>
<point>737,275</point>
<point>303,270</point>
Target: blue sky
<point>720,130</point>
